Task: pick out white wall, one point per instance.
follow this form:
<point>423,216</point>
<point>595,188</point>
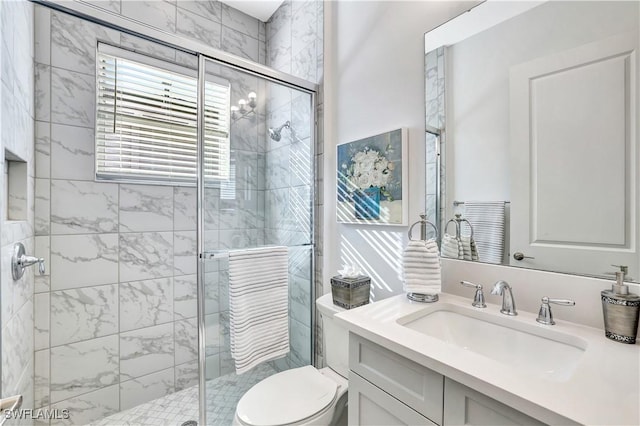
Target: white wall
<point>374,75</point>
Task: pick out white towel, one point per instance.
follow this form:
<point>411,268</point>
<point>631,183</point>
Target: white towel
<point>451,247</point>
<point>487,218</point>
<point>421,268</point>
<point>258,305</point>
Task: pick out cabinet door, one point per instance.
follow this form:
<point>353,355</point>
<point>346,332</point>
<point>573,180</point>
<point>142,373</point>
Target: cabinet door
<point>371,406</point>
<point>464,406</point>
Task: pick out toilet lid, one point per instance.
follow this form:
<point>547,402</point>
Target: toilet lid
<point>287,397</point>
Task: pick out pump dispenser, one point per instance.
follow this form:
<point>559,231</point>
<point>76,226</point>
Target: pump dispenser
<point>621,310</point>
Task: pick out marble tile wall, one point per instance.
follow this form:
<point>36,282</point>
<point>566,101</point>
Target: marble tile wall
<point>435,117</point>
<point>115,315</point>
<point>295,45</point>
<point>17,110</point>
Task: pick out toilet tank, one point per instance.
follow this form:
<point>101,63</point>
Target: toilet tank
<point>335,337</point>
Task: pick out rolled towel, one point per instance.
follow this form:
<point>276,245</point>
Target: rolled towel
<point>421,268</point>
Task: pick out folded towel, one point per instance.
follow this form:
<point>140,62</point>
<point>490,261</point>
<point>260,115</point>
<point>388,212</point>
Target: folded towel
<point>488,228</point>
<point>421,268</point>
<point>451,247</point>
<point>258,305</point>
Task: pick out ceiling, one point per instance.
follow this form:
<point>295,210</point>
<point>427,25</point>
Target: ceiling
<point>261,9</point>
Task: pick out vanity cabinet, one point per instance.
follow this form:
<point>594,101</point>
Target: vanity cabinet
<point>386,388</point>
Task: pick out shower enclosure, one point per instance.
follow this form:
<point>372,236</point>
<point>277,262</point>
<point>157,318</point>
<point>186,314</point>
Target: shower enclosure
<point>189,154</point>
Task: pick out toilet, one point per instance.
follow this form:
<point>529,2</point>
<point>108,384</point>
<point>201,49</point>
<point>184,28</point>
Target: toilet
<point>305,395</point>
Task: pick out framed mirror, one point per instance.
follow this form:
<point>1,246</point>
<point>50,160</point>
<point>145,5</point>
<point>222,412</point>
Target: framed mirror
<point>535,106</point>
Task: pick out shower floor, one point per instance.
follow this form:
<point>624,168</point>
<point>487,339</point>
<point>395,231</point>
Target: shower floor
<point>223,394</point>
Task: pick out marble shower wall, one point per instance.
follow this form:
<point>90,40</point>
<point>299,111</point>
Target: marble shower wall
<point>17,112</point>
<point>115,315</point>
<point>435,117</point>
<point>295,45</point>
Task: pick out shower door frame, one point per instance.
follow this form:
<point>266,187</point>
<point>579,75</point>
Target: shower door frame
<point>205,53</point>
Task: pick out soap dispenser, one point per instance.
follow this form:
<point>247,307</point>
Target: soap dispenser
<point>620,310</point>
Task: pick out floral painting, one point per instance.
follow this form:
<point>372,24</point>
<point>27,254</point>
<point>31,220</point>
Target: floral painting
<point>372,180</point>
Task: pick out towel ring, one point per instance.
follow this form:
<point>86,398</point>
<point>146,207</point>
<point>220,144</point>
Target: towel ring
<point>423,230</point>
<point>457,223</point>
<point>459,219</point>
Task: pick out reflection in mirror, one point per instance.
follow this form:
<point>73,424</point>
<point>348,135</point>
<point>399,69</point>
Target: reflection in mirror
<point>537,104</point>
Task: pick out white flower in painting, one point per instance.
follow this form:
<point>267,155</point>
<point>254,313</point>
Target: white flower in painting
<point>370,168</point>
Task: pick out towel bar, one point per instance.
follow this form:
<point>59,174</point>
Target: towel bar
<point>220,254</point>
<point>459,203</point>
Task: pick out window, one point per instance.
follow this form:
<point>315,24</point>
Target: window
<point>146,121</point>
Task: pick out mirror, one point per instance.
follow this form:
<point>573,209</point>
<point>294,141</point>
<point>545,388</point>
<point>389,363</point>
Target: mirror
<point>537,108</point>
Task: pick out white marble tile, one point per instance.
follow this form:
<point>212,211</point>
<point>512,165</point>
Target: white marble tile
<point>83,260</point>
<point>158,14</point>
<point>83,314</point>
<point>42,206</point>
<point>43,35</point>
<point>184,253</point>
<point>17,347</point>
<point>186,375</point>
<point>300,343</point>
<point>213,334</point>
<point>90,406</point>
<point>198,28</point>
<point>41,378</point>
<point>147,388</point>
<point>43,150</point>
<point>83,367</point>
<point>74,41</point>
<point>246,169</point>
<point>303,25</point>
<point>279,48</point>
<point>146,208</point>
<point>145,303</point>
<point>212,366</point>
<point>146,351</point>
<point>146,255</point>
<point>72,145</point>
<point>43,92</point>
<point>239,44</point>
<point>112,5</point>
<point>239,21</point>
<point>245,211</point>
<point>184,209</point>
<point>147,47</point>
<point>210,9</point>
<point>41,321</point>
<point>304,64</point>
<point>238,238</point>
<point>211,213</point>
<point>185,298</point>
<point>43,250</point>
<point>72,98</point>
<point>79,207</point>
<point>279,18</point>
<point>186,335</point>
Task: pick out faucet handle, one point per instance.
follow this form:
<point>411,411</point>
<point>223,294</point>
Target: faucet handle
<point>478,298</point>
<point>544,315</point>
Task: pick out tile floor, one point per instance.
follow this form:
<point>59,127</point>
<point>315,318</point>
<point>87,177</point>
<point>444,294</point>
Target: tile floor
<point>223,394</point>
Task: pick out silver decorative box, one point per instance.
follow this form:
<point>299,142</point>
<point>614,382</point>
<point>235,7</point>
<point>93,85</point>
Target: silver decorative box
<point>350,292</point>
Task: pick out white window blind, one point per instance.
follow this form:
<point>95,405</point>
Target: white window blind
<point>146,121</point>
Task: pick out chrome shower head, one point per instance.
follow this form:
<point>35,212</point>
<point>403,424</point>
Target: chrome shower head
<point>276,134</point>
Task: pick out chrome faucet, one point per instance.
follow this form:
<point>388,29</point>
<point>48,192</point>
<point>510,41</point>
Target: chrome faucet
<point>508,304</point>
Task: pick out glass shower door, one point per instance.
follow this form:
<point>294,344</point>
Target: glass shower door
<point>257,192</point>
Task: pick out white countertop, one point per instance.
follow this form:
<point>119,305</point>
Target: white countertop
<point>604,388</point>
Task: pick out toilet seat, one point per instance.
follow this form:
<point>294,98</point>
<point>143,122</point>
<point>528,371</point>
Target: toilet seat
<point>287,398</point>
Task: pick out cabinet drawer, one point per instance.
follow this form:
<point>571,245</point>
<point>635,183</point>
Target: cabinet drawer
<point>465,406</point>
<point>370,406</point>
<point>411,383</point>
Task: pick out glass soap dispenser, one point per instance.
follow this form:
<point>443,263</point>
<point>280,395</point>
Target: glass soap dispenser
<point>621,310</point>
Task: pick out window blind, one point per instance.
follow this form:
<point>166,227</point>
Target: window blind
<point>146,120</point>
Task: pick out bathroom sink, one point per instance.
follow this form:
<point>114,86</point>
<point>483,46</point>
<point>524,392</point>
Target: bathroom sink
<point>513,343</point>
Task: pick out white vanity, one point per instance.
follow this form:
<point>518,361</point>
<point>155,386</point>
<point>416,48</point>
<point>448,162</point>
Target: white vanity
<point>448,363</point>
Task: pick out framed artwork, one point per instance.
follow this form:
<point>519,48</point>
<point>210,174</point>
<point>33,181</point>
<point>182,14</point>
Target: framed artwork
<point>372,180</point>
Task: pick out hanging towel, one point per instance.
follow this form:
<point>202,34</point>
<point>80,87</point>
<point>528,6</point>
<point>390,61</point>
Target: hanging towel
<point>488,228</point>
<point>421,268</point>
<point>258,305</point>
<point>451,247</point>
<point>466,247</point>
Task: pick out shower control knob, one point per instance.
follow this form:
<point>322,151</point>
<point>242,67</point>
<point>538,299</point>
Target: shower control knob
<point>520,256</point>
